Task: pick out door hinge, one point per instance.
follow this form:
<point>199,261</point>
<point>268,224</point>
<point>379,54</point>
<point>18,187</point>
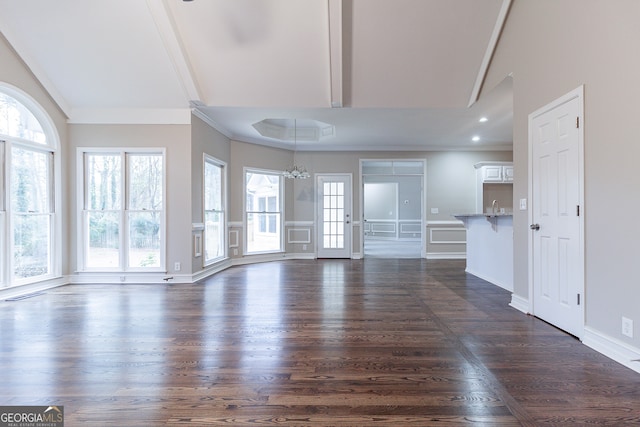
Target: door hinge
<point>577,210</point>
<point>578,122</point>
<point>578,299</point>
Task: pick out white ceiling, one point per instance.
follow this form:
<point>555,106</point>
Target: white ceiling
<point>388,74</point>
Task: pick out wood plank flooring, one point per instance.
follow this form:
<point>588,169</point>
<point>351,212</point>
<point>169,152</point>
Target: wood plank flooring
<point>306,343</point>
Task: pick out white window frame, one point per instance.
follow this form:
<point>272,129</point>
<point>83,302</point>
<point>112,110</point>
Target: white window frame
<point>50,146</point>
<point>207,159</point>
<point>81,191</point>
<point>280,204</point>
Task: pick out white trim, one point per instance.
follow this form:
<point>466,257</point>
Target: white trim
<point>299,224</point>
<point>174,48</point>
<point>300,255</point>
<point>208,120</point>
<point>307,230</point>
<point>446,255</point>
<point>335,51</point>
<point>234,242</point>
<point>488,54</point>
<point>197,226</point>
<point>197,244</point>
<point>613,348</point>
<point>19,290</point>
<point>450,222</point>
<point>253,259</point>
<point>211,269</point>
<point>519,303</point>
<point>235,224</point>
<point>447,242</point>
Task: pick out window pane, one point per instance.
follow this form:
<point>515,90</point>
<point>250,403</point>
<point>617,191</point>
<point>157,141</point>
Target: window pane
<point>30,172</point>
<point>104,240</point>
<point>263,229</point>
<point>32,245</point>
<point>104,174</point>
<point>273,223</point>
<point>212,187</point>
<point>214,238</point>
<point>214,230</point>
<point>272,204</point>
<point>144,239</point>
<point>16,120</point>
<point>145,181</point>
<point>31,206</point>
<point>260,236</point>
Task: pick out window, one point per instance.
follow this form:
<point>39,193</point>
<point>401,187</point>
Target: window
<point>28,221</point>
<point>214,210</point>
<point>123,210</point>
<point>263,207</point>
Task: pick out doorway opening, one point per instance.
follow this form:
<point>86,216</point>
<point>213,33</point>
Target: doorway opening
<point>393,208</point>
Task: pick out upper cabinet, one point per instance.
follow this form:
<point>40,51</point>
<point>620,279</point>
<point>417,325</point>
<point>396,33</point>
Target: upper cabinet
<point>495,172</point>
<point>487,174</point>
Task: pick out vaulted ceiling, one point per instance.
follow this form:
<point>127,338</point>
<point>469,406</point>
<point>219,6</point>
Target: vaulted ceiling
<point>386,74</point>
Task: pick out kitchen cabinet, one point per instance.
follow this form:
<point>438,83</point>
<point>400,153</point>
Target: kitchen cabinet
<point>490,179</point>
<point>495,173</point>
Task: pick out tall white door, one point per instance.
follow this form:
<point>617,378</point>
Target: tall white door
<point>334,215</point>
<point>557,263</point>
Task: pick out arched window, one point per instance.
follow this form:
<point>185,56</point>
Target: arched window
<point>28,222</point>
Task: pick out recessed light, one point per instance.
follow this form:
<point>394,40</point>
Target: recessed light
<point>475,138</point>
<point>483,119</point>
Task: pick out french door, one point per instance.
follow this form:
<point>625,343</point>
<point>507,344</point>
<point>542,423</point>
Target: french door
<point>334,218</point>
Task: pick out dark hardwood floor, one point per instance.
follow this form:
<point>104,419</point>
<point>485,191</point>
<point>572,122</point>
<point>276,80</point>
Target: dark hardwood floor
<point>321,343</point>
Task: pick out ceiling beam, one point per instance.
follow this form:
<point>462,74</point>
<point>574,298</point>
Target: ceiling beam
<point>335,52</point>
<point>491,47</point>
<point>175,49</point>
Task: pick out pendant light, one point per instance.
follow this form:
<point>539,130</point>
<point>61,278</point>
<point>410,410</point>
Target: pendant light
<point>295,172</point>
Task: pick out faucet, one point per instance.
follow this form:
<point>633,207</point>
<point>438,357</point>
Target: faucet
<point>494,207</point>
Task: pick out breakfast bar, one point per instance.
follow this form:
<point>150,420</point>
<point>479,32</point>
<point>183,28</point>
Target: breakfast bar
<point>490,247</point>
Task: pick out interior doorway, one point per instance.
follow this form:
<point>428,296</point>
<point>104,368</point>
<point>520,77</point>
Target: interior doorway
<point>392,208</point>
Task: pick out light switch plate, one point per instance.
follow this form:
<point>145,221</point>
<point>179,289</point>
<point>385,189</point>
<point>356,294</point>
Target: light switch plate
<point>523,204</point>
<point>435,211</point>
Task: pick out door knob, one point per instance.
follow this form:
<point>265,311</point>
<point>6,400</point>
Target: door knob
<point>535,227</point>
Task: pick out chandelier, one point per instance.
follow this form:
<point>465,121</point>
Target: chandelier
<point>295,172</point>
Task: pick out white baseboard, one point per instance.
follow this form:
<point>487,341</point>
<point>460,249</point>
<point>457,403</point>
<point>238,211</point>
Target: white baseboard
<point>253,259</point>
<point>446,255</point>
<point>20,290</point>
<point>519,303</point>
<point>301,255</point>
<point>128,277</point>
<point>613,348</point>
<point>211,270</point>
